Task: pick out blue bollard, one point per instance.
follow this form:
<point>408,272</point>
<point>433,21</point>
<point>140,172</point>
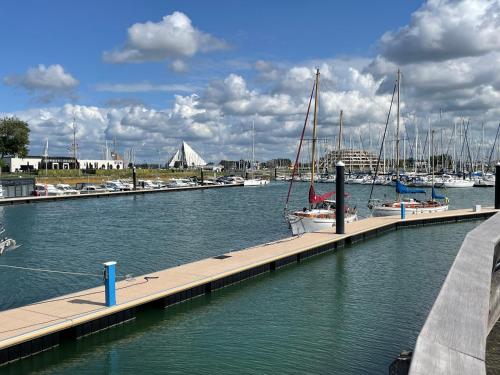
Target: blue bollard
<point>403,211</point>
<point>109,283</point>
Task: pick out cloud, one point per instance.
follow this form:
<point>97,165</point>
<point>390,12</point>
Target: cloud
<point>45,83</point>
<point>445,29</point>
<point>439,79</point>
<point>173,38</point>
<point>143,87</point>
<point>217,122</point>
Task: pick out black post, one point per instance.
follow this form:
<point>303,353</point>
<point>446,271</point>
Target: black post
<point>202,181</point>
<point>134,178</point>
<point>339,207</point>
<point>497,186</point>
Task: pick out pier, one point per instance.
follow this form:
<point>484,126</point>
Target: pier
<point>31,329</point>
<point>453,339</point>
<point>108,194</point>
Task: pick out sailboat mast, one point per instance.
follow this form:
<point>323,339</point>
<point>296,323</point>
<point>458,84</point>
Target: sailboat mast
<point>415,157</point>
<point>253,149</point>
<point>397,130</point>
<point>429,147</point>
<point>433,157</point>
<point>315,122</point>
<point>454,166</point>
<point>482,148</point>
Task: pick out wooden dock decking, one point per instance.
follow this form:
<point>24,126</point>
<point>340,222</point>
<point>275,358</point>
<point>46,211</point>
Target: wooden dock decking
<point>30,329</point>
<point>52,198</point>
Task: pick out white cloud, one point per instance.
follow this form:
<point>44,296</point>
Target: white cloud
<point>173,38</point>
<point>445,29</point>
<point>44,82</point>
<point>218,122</point>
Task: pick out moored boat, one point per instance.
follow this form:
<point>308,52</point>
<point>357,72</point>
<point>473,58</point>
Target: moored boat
<point>321,213</point>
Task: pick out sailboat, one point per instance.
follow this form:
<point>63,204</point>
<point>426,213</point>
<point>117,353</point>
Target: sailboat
<point>321,212</point>
<point>254,181</point>
<point>412,206</point>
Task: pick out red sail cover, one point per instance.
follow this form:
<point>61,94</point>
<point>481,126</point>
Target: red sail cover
<point>313,198</point>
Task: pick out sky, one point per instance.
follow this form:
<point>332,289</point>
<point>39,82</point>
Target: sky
<point>151,74</point>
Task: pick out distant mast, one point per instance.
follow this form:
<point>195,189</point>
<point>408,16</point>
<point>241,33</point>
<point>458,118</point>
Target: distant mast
<point>341,119</point>
<point>397,132</point>
<point>46,154</point>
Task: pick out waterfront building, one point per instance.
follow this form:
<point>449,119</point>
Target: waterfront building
<point>186,157</point>
<point>33,163</point>
<point>355,160</point>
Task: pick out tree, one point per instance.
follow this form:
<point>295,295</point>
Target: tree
<point>14,137</point>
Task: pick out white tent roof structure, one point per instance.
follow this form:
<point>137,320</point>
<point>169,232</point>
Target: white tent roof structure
<point>186,156</point>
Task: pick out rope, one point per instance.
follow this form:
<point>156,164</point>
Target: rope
<point>382,145</point>
<point>59,272</point>
<point>300,146</point>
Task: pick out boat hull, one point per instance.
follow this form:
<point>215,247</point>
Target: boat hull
<point>301,224</point>
<point>396,211</point>
<point>255,182</point>
<point>459,184</point>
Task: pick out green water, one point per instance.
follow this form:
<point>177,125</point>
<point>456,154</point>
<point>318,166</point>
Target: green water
<point>345,312</point>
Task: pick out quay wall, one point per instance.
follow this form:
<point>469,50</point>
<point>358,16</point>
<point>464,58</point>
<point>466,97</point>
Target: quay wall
<point>453,338</point>
<point>24,200</point>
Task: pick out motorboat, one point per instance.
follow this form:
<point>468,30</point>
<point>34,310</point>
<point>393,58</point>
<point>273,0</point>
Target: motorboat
<point>92,189</point>
<point>46,190</point>
<point>255,182</point>
<point>66,189</point>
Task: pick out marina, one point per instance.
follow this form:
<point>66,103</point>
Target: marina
<point>187,192</point>
<point>29,330</point>
<point>173,283</point>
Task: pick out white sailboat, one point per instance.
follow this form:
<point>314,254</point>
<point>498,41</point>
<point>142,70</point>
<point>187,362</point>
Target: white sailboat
<point>412,206</point>
<point>321,212</point>
<point>254,181</point>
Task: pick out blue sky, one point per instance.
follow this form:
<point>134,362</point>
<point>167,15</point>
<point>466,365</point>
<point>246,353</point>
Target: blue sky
<point>124,73</point>
<point>75,34</point>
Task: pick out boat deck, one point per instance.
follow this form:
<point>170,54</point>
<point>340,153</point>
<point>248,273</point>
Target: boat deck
<point>39,326</point>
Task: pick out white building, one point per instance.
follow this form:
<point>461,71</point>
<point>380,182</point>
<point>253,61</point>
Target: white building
<point>15,164</point>
<point>33,163</point>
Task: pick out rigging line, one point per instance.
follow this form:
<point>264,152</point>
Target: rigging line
<point>468,148</point>
<point>300,146</point>
<point>493,149</point>
<point>449,142</point>
<point>463,144</point>
<point>382,144</point>
<point>54,271</point>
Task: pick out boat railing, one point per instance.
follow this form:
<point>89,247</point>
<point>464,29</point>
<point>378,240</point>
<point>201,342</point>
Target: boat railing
<point>453,338</point>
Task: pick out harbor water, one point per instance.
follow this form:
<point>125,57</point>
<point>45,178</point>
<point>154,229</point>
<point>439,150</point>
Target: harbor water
<point>348,312</point>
